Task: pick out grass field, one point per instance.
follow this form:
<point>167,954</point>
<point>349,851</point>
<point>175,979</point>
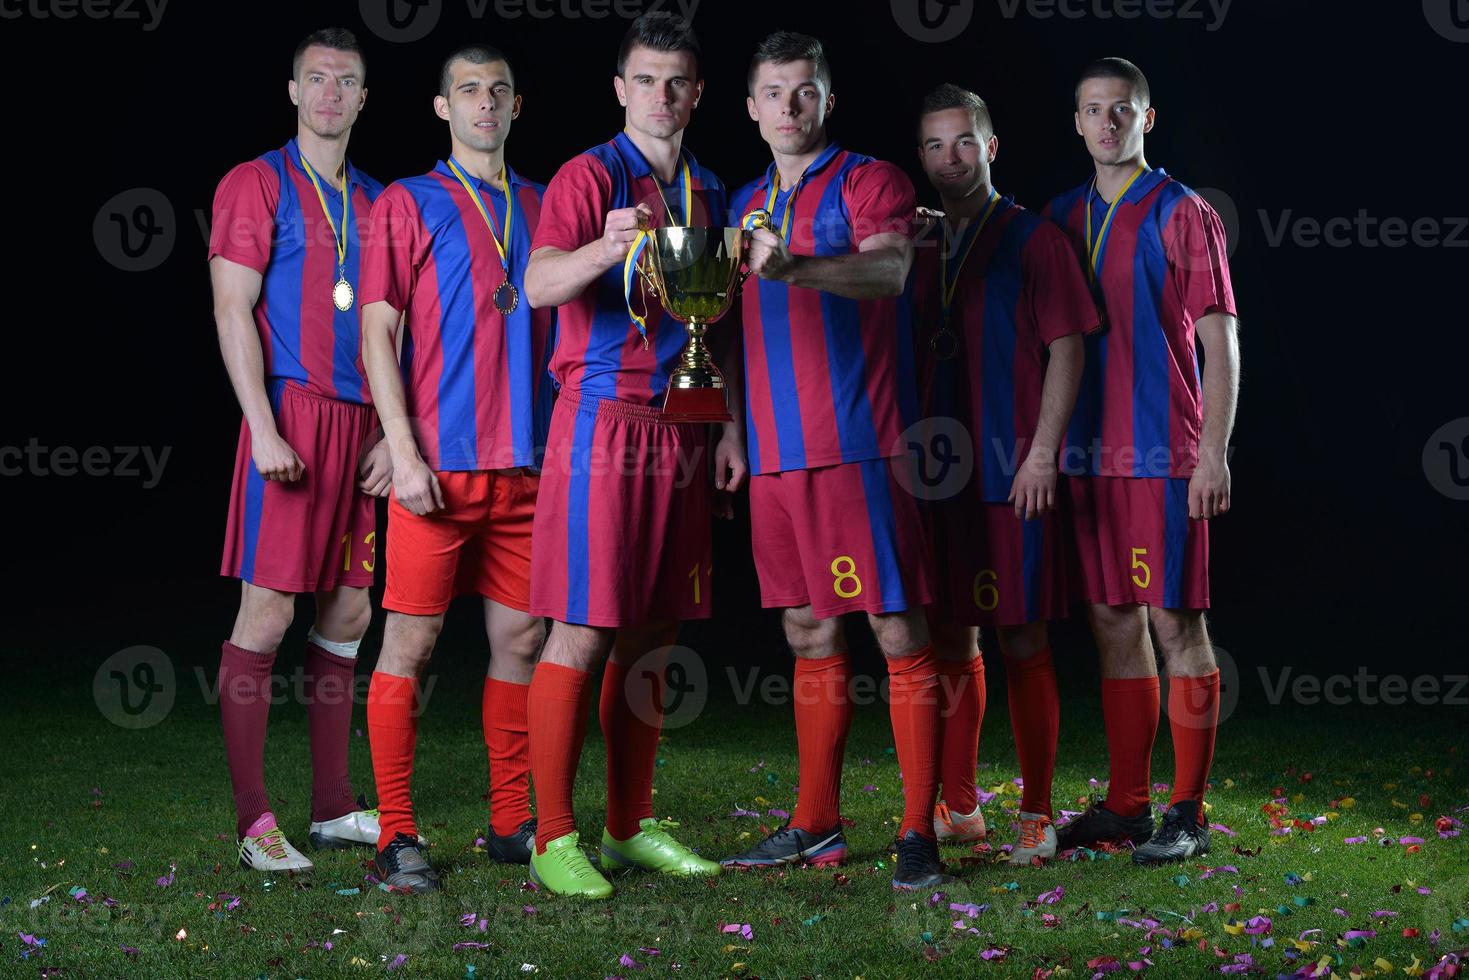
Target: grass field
<point>117,857</point>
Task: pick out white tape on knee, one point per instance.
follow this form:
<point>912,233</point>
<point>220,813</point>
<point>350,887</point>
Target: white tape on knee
<point>347,650</point>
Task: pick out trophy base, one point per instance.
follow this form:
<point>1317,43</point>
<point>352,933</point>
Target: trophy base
<point>695,405</point>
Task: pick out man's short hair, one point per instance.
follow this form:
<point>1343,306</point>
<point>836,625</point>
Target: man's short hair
<point>1115,68</point>
<point>660,30</point>
<point>336,38</point>
<point>475,54</point>
<point>951,96</point>
<point>784,47</point>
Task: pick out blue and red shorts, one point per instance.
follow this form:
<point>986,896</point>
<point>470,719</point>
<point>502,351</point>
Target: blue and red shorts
<point>1135,542</point>
<point>315,534</point>
<point>477,543</point>
<point>995,569</point>
<point>622,527</point>
<point>839,539</point>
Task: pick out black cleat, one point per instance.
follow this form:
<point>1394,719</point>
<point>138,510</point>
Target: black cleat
<point>791,845</point>
<point>1099,825</point>
<point>512,848</point>
<point>1179,838</point>
<point>402,865</point>
<point>918,863</point>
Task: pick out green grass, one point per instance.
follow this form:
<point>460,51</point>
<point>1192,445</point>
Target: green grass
<point>89,804</point>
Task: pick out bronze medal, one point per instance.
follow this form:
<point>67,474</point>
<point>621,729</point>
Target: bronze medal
<point>507,298</point>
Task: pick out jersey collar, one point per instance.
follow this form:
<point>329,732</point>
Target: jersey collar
<point>513,178</point>
<point>817,165</point>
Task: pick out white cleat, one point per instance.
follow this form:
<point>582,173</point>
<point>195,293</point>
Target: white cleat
<point>265,848</point>
<point>957,828</point>
<point>1037,839</point>
<point>356,829</point>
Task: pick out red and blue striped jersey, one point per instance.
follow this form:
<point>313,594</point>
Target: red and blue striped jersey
<point>1162,265</point>
<point>1019,290</point>
<point>475,379</point>
<point>267,217</point>
<point>827,379</point>
<point>599,351</point>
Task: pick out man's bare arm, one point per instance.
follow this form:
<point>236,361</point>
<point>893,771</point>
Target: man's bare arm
<point>1209,488</point>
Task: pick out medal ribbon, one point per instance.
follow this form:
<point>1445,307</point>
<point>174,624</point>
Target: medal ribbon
<point>1094,252</point>
<point>640,243</point>
<point>785,220</point>
<point>950,282</point>
<point>346,208</point>
<point>479,203</point>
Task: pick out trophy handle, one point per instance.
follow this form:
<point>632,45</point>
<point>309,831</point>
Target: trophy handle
<point>647,278</point>
<point>759,218</point>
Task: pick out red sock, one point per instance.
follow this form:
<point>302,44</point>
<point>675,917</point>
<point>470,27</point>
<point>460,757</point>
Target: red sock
<point>632,717</point>
<point>392,730</point>
<point>558,726</point>
<point>913,703</point>
<point>961,713</point>
<point>1130,714</point>
<point>504,714</point>
<point>244,707</point>
<point>1035,714</point>
<point>823,715</point>
<point>328,692</point>
<point>1193,716</point>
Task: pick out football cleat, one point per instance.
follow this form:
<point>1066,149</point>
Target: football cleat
<point>652,849</point>
<point>958,828</point>
<point>265,848</point>
<point>354,829</point>
<point>1099,825</point>
<point>513,848</point>
<point>791,845</point>
<point>918,863</point>
<point>1037,839</point>
<point>402,864</point>
<point>563,869</point>
<point>1179,837</point>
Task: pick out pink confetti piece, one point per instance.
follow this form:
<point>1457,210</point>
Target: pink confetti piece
<point>1360,934</point>
<point>467,919</point>
<point>743,929</point>
<point>777,812</point>
<point>167,879</point>
<point>993,953</point>
<point>967,908</point>
<point>1258,926</point>
<point>1354,840</point>
<point>1223,829</point>
<point>1383,914</point>
<point>985,796</point>
<point>398,961</point>
<point>459,946</point>
<point>1051,897</point>
<point>869,788</point>
<point>649,951</point>
<point>629,963</point>
<point>1410,840</point>
<point>742,812</point>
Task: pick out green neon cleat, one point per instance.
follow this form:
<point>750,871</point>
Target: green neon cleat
<point>564,870</point>
<point>652,849</point>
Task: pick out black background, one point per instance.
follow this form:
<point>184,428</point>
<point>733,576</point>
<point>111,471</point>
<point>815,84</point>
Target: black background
<point>1338,549</point>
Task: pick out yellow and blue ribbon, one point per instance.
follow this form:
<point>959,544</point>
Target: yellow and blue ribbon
<point>1094,252</point>
<point>640,244</point>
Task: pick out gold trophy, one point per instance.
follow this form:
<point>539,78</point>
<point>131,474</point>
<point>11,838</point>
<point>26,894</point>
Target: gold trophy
<point>694,272</point>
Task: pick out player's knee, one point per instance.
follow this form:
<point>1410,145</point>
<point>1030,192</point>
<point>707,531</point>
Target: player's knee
<point>264,618</point>
<point>524,642</point>
<point>1118,626</point>
<point>408,641</point>
<point>1179,630</point>
<point>1022,642</point>
<point>809,636</point>
<point>900,633</point>
<point>953,642</point>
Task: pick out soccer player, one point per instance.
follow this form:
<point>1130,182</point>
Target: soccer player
<point>829,389</point>
<point>448,257</point>
<point>284,250</point>
<point>621,550</point>
<point>1000,307</point>
<point>1148,439</point>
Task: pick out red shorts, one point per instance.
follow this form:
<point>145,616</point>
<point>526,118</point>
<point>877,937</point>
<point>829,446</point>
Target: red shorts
<point>478,543</point>
<point>1135,542</point>
<point>622,533</point>
<point>839,538</point>
<point>315,534</point>
<point>995,569</point>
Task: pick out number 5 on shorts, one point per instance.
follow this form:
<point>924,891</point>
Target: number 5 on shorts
<point>846,585</point>
<point>1137,562</point>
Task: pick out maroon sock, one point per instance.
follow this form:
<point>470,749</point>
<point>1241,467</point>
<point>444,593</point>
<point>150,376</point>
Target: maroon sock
<point>631,712</point>
<point>244,708</point>
<point>328,693</point>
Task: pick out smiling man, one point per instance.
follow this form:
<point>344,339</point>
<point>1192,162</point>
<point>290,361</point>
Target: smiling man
<point>284,253</point>
<point>448,257</point>
<point>1147,447</point>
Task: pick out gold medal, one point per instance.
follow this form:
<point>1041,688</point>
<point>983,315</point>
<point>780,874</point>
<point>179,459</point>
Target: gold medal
<point>507,298</point>
<point>944,343</point>
<point>342,296</point>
